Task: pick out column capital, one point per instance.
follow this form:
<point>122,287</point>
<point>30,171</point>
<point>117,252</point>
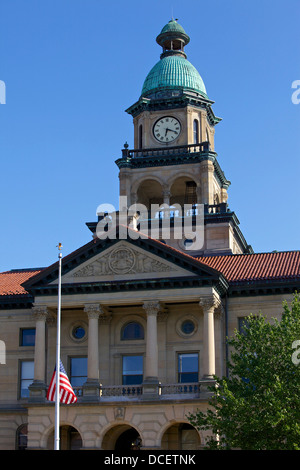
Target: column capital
<point>105,319</point>
<point>152,307</point>
<point>93,310</point>
<point>207,165</point>
<point>166,191</point>
<point>210,302</point>
<point>40,312</point>
<point>162,316</point>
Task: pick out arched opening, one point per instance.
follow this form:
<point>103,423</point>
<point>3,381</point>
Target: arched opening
<point>183,191</point>
<point>131,331</point>
<point>150,192</point>
<point>128,440</point>
<point>122,438</point>
<point>181,436</point>
<point>70,439</point>
<point>207,136</point>
<point>140,136</point>
<point>21,438</point>
<point>196,131</point>
<point>216,199</point>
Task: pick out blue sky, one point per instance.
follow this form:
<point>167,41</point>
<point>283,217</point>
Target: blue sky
<point>72,67</point>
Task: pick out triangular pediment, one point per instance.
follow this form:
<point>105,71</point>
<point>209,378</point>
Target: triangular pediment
<point>122,262</point>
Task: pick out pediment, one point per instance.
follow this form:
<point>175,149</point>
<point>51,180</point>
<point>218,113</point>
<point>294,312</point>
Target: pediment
<point>113,265</point>
<point>121,262</point>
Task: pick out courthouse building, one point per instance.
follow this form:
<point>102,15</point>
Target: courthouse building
<point>144,319</point>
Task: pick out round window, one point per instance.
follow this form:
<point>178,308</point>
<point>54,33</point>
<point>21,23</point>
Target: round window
<point>78,332</point>
<point>188,242</point>
<point>188,327</point>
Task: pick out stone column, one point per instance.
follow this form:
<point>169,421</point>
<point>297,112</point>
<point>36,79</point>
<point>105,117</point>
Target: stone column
<point>166,194</point>
<point>209,304</point>
<point>162,318</point>
<point>124,182</point>
<point>198,193</point>
<point>150,383</point>
<point>91,389</point>
<point>38,388</point>
<point>104,349</point>
<point>165,221</point>
<point>207,173</point>
<point>133,198</point>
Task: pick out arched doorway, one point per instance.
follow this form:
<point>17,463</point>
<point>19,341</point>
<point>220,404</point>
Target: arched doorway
<point>122,438</point>
<point>180,436</point>
<point>128,440</point>
<point>70,439</point>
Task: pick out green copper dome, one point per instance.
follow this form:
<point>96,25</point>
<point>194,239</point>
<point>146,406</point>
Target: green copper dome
<point>173,71</point>
<point>172,26</point>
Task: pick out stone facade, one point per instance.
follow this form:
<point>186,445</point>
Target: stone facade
<point>156,409</point>
<point>143,322</point>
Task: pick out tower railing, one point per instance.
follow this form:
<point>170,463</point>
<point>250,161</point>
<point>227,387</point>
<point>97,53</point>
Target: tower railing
<point>172,212</point>
<point>165,151</point>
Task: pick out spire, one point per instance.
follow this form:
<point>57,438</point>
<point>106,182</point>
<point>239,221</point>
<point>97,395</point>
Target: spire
<point>172,39</point>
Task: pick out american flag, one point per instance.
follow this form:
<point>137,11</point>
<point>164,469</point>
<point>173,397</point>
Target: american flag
<point>66,392</point>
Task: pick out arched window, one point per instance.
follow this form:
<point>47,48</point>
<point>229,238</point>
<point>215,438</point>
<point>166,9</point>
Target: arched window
<point>21,443</point>
<point>207,136</point>
<point>216,199</point>
<point>132,330</point>
<point>140,136</point>
<point>196,131</point>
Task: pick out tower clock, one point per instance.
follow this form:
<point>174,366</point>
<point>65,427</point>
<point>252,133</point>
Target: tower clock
<point>166,129</point>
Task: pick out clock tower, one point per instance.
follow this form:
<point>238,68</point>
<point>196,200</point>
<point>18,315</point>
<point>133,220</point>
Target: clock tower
<point>174,160</point>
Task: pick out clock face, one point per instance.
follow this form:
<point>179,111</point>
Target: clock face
<point>166,129</point>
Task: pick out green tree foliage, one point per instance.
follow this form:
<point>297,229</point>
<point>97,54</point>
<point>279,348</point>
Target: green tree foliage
<point>257,407</point>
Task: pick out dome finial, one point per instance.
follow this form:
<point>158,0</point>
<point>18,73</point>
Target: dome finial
<point>172,16</point>
<point>172,39</point>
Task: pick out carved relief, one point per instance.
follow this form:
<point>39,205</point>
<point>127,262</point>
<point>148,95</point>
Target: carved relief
<point>211,302</point>
<point>119,412</point>
<point>123,260</point>
<point>40,312</point>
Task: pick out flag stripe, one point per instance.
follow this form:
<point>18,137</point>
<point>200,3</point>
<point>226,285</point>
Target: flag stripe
<point>66,392</point>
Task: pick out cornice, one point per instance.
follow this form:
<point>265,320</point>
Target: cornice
<point>181,101</point>
<point>15,302</point>
<point>166,160</point>
<point>265,287</point>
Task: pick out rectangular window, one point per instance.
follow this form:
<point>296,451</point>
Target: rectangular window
<point>132,370</point>
<point>78,371</point>
<point>27,375</point>
<point>188,367</point>
<point>243,324</point>
<point>27,337</point>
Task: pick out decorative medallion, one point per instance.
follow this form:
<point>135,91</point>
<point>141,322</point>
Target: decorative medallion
<point>121,260</point>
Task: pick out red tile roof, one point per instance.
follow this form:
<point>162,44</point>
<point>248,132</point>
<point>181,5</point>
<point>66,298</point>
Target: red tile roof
<point>235,268</point>
<point>10,281</point>
<point>257,266</point>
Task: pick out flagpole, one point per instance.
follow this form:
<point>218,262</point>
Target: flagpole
<point>57,393</point>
